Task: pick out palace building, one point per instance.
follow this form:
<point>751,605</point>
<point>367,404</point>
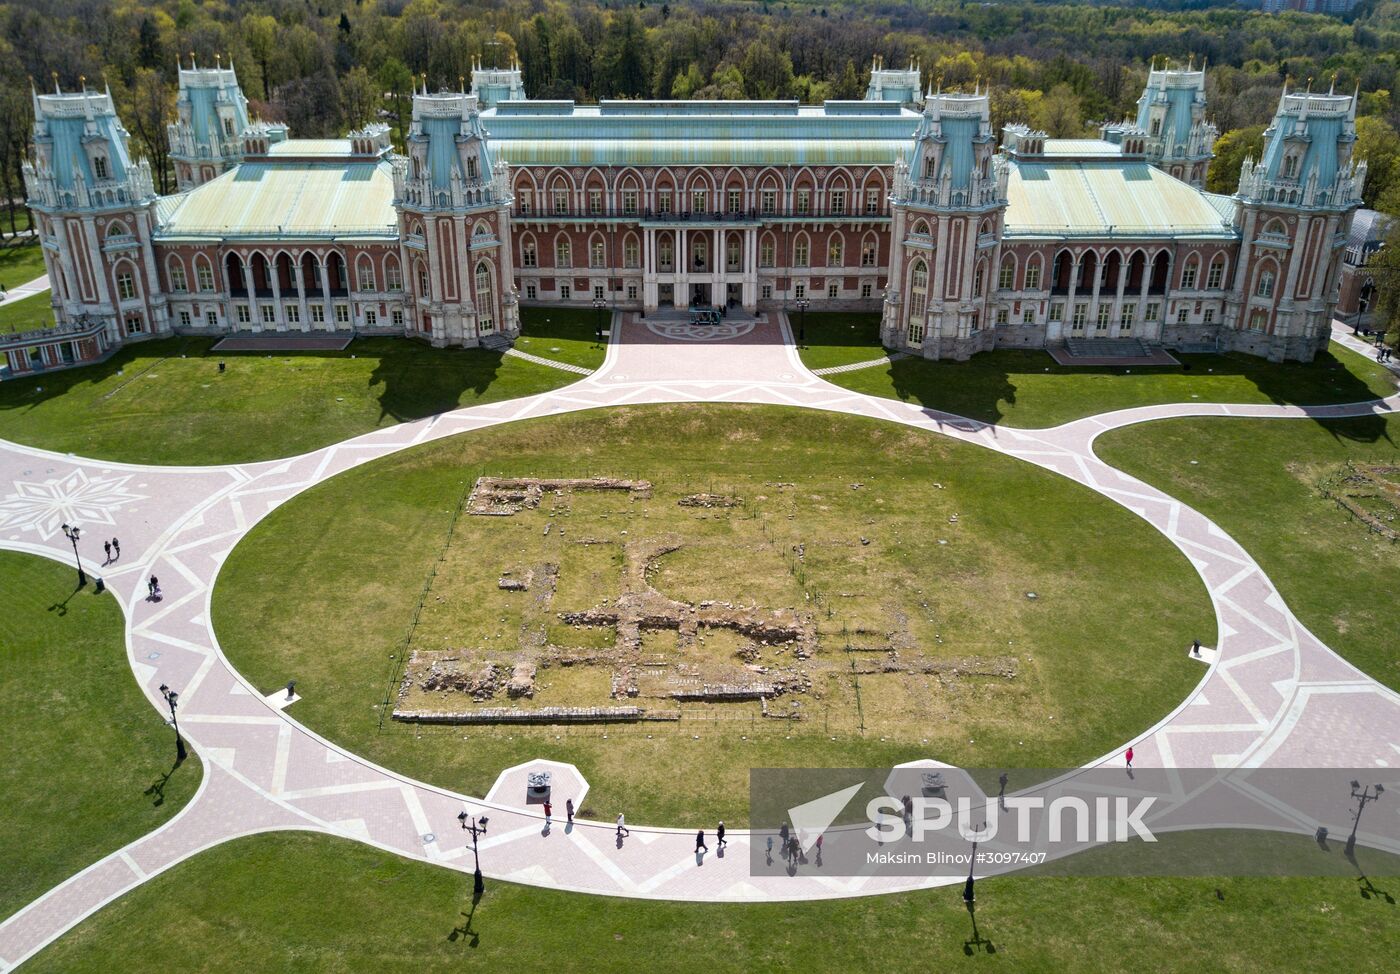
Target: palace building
<point>902,203</point>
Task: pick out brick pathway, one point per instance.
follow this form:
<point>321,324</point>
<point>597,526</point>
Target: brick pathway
<point>1273,695</point>
<point>869,363</point>
<point>551,363</point>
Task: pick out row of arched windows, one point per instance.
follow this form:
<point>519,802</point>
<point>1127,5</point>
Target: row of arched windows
<point>837,252</point>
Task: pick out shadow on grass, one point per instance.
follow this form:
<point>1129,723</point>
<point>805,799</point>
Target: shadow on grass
<point>156,792</point>
<point>464,930</point>
<point>419,380</point>
<point>983,387</point>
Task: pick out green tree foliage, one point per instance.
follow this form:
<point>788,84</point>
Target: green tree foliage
<point>1230,152</point>
<point>1378,143</point>
<point>1059,113</point>
<point>1384,268</point>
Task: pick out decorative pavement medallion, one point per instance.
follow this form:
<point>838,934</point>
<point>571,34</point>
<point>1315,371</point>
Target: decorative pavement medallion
<point>74,498</point>
<point>700,333</point>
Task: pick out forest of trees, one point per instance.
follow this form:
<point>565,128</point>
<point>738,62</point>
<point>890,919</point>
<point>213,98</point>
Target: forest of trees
<point>324,66</point>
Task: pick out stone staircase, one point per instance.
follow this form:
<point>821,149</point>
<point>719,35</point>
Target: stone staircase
<point>1107,347</point>
<point>496,342</point>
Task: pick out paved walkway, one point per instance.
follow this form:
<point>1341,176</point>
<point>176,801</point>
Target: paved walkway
<point>549,362</point>
<point>27,290</point>
<point>869,363</point>
<point>1273,695</point>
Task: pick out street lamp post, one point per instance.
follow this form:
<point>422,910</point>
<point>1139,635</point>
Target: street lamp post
<point>71,531</point>
<point>802,320</point>
<point>171,697</point>
<point>477,828</point>
<point>968,897</point>
<point>1362,796</point>
<point>598,305</point>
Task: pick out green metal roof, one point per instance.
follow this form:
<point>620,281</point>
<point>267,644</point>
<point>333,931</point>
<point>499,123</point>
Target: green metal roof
<point>622,133</point>
<point>1109,198</point>
<point>286,199</point>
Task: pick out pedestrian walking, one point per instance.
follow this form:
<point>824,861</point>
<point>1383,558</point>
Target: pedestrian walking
<point>720,841</point>
<point>107,547</point>
<point>819,848</point>
<point>1129,756</point>
<point>569,809</point>
<point>1195,647</point>
<point>117,547</point>
<point>700,841</point>
<point>622,828</point>
<point>548,811</point>
<point>769,851</point>
<point>151,586</point>
<point>783,834</point>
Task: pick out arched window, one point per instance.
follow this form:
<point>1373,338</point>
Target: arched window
<point>422,275</point>
<point>563,253</point>
<point>364,274</point>
<point>921,229</point>
<point>732,254</point>
<point>631,252</point>
<point>801,254</point>
<point>1006,277</point>
<point>1266,284</point>
<point>664,254</point>
<point>597,253</point>
<point>1275,228</point>
<point>1216,275</point>
<point>979,279</point>
<point>117,229</point>
<point>203,273</point>
<point>176,268</point>
<point>869,251</point>
<point>485,303</point>
<point>918,288</point>
<point>99,167</point>
<point>125,275</point>
<point>1033,274</point>
<point>1189,273</point>
<point>835,251</point>
<point>529,255</point>
<point>393,276</point>
<point>767,251</point>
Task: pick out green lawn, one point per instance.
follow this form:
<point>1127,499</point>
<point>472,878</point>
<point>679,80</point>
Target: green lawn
<point>1028,389</point>
<point>837,338</point>
<point>563,334</point>
<point>165,401</point>
<point>89,764</point>
<point>308,903</point>
<point>1256,479</point>
<point>20,261</point>
<point>280,603</point>
<point>35,311</point>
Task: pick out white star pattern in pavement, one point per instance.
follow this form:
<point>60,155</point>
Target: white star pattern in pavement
<point>76,497</point>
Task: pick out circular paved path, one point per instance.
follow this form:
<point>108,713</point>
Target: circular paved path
<point>1274,695</point>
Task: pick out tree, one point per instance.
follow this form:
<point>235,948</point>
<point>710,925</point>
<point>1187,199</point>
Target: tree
<point>1230,152</point>
<point>767,71</point>
<point>1059,114</point>
<point>688,82</point>
<point>148,106</point>
<point>1384,268</point>
<point>625,58</point>
<point>396,82</point>
<point>848,88</point>
<point>1377,143</point>
<point>359,97</point>
<point>260,34</point>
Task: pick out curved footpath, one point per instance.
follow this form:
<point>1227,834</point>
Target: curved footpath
<point>1273,696</point>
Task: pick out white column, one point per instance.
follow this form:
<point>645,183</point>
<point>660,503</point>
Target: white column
<point>718,261</point>
<point>302,310</point>
<point>328,312</point>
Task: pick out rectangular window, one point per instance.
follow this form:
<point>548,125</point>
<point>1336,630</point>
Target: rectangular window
<point>133,325</point>
<point>596,254</point>
<point>293,313</point>
<point>1214,275</point>
<point>766,292</point>
<point>371,319</point>
<point>867,255</point>
<point>365,273</point>
<point>177,278</point>
<point>318,314</point>
<point>597,292</point>
<point>631,255</point>
<point>595,201</point>
<point>1101,322</point>
<point>1057,312</point>
<point>872,201</point>
<point>565,292</point>
<point>211,318</point>
<point>631,292</point>
<point>561,201</point>
<point>663,204</point>
<point>528,256</point>
<point>184,319</point>
<point>1258,319</point>
<point>1126,314</point>
<point>916,331</point>
<point>1033,277</point>
<point>800,253</point>
<point>1006,276</point>
<point>100,165</point>
<point>865,290</point>
<point>736,200</point>
<point>833,290</point>
<point>838,201</point>
<point>629,202</point>
<point>1003,316</point>
<point>1081,314</point>
<point>697,201</point>
<point>205,275</point>
<point>976,321</point>
<point>243,314</point>
<point>397,317</point>
<point>799,291</point>
<point>1209,316</point>
<point>1183,315</point>
<point>765,254</point>
<point>1151,311</point>
<point>126,286</point>
<point>342,314</point>
<point>531,293</point>
<point>526,200</point>
<point>804,201</point>
<point>1028,317</point>
<point>768,201</point>
<point>393,277</point>
<point>1188,277</point>
<point>268,313</point>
